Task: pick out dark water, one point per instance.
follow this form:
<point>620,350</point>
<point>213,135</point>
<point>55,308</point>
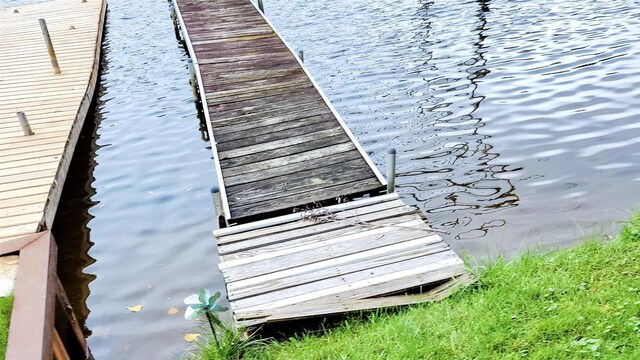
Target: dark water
<point>135,226</point>
<point>516,124</point>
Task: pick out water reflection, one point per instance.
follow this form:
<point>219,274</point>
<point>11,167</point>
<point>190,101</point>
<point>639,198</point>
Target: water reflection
<point>460,173</point>
<point>511,118</point>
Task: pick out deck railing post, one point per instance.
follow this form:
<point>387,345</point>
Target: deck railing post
<point>26,128</point>
<point>391,170</point>
<point>217,206</point>
<point>301,55</point>
<point>47,39</point>
<point>192,80</point>
<point>261,6</point>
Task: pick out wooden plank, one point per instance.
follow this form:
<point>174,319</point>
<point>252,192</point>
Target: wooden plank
<point>318,178</point>
<point>235,174</point>
<point>226,236</point>
<point>315,233</point>
<point>359,285</point>
<point>299,255</point>
<point>283,143</point>
<point>308,197</point>
<point>253,318</point>
<point>296,166</point>
<point>271,133</point>
<point>333,267</point>
<point>22,219</point>
<point>228,128</point>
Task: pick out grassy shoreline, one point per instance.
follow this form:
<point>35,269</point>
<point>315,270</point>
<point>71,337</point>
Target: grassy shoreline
<point>577,303</point>
<point>6,304</point>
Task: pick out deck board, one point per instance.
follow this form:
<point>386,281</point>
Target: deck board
<point>265,112</point>
<point>33,168</point>
<point>340,258</point>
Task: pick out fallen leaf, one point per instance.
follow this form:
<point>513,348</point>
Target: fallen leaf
<point>173,311</point>
<point>192,337</point>
<point>134,308</point>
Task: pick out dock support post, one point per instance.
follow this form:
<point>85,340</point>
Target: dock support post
<point>193,81</point>
<point>301,55</point>
<point>261,6</point>
<point>391,170</point>
<point>47,39</point>
<point>217,206</point>
<point>26,128</point>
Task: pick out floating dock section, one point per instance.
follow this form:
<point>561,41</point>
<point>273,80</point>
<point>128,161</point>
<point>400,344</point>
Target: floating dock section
<point>280,147</point>
<point>33,167</point>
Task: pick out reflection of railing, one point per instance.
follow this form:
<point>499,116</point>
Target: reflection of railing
<point>43,325</point>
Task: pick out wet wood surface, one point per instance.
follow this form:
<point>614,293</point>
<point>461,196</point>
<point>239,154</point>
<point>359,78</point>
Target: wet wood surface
<point>33,168</point>
<point>341,258</point>
<point>278,142</point>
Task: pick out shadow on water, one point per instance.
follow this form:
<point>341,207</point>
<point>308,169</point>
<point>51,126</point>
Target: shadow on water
<point>71,226</point>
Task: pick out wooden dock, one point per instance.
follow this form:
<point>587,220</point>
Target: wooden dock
<point>336,259</point>
<point>33,168</point>
<point>279,147</point>
<point>277,141</point>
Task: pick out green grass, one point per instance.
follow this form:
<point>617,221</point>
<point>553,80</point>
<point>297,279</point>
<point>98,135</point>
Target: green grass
<point>577,303</point>
<point>6,303</point>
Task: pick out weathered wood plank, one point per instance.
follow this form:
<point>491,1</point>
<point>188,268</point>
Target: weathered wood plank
<point>291,167</point>
<point>229,127</point>
<point>254,318</point>
<point>359,285</point>
<point>334,267</point>
<point>299,182</point>
<point>300,228</point>
<point>296,256</point>
<point>309,197</point>
<point>268,134</point>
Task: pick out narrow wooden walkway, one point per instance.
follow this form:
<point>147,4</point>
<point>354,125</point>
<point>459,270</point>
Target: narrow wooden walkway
<point>277,141</point>
<point>336,259</point>
<point>278,144</point>
<point>33,168</point>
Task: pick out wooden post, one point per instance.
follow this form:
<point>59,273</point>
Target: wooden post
<point>217,206</point>
<point>261,6</point>
<point>47,39</point>
<point>301,55</point>
<point>193,80</point>
<point>391,170</point>
<point>26,128</point>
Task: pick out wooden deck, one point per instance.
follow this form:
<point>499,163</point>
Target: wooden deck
<point>278,143</point>
<point>337,259</point>
<point>33,168</point>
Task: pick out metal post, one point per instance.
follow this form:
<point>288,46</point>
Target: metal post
<point>52,53</point>
<point>261,6</point>
<point>301,55</point>
<point>391,170</point>
<point>193,80</point>
<point>217,206</point>
<point>26,128</point>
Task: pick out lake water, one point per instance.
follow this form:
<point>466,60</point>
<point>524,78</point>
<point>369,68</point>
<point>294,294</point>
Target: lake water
<point>516,124</point>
